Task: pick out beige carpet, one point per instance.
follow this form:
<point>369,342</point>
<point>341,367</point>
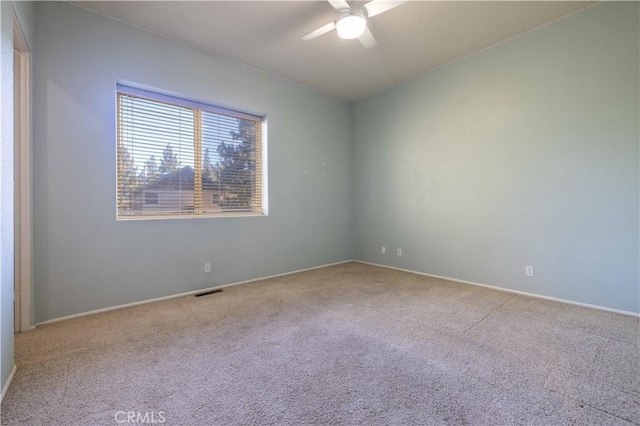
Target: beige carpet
<point>349,344</point>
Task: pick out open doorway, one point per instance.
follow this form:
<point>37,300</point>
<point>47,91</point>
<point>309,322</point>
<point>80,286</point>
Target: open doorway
<point>22,180</point>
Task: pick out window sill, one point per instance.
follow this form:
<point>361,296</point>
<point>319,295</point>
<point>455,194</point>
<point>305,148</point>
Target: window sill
<point>202,216</point>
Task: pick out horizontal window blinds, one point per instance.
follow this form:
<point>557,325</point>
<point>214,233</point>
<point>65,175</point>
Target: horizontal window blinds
<point>184,159</point>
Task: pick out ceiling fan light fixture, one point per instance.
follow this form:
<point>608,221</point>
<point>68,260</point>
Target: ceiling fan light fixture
<point>351,26</point>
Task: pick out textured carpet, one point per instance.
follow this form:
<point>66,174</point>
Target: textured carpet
<point>348,344</point>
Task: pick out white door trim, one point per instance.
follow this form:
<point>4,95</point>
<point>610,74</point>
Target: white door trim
<point>23,181</point>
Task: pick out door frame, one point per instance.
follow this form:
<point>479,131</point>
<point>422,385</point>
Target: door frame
<point>22,183</point>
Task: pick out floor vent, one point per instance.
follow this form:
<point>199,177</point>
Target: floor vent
<point>206,293</point>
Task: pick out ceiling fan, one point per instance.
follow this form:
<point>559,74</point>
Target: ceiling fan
<point>352,22</point>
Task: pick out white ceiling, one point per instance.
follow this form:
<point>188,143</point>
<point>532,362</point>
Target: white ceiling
<point>412,38</point>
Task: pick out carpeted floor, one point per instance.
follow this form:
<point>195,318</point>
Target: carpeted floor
<point>348,344</point>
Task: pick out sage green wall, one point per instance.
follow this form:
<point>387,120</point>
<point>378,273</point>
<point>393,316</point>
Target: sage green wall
<point>523,154</point>
<point>84,258</point>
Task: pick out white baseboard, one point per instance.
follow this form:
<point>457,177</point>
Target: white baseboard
<point>524,293</point>
<point>5,388</point>
<point>188,293</point>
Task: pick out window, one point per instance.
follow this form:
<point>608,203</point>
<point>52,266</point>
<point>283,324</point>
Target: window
<point>181,158</point>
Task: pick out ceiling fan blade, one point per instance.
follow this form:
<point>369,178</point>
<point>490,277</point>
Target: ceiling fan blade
<point>367,39</point>
<point>322,30</point>
<point>376,7</point>
<point>339,5</point>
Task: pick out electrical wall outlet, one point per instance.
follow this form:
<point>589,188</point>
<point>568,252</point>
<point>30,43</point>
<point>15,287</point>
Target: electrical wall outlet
<point>207,267</point>
<point>399,252</point>
<point>384,250</point>
<point>529,271</point>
